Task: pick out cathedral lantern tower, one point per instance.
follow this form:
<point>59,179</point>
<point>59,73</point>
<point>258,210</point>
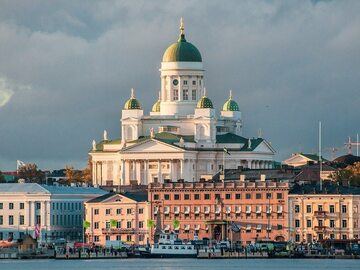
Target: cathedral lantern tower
<point>131,116</point>
<point>182,76</point>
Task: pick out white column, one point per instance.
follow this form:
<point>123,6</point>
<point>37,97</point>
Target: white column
<point>127,172</point>
<point>171,170</point>
<point>138,171</point>
<point>43,214</point>
<point>133,170</point>
<point>181,168</point>
<point>122,172</point>
<point>159,171</point>
<point>94,173</point>
<point>28,214</point>
<point>48,212</point>
<point>146,171</point>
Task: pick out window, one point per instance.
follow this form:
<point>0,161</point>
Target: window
<point>344,223</point>
<point>118,238</point>
<point>332,208</point>
<point>1,205</point>
<point>1,236</point>
<point>11,205</point>
<point>279,227</point>
<point>166,197</point>
<point>21,220</point>
<point>268,195</point>
<point>279,196</point>
<point>38,206</point>
<point>156,196</point>
<point>96,225</point>
<point>193,82</point>
<point>128,238</point>
<point>141,210</point>
<point>206,196</point>
<point>118,224</point>
<point>343,209</point>
<point>185,94</point>
<point>297,208</point>
<point>332,223</point>
<point>187,197</point>
<point>196,196</point>
<point>321,236</point>
<point>1,220</point>
<point>22,205</point>
<point>185,82</point>
<point>258,196</point>
<point>96,238</point>
<point>11,220</point>
<point>193,94</point>
<point>108,211</point>
<point>332,236</point>
<point>129,224</point>
<point>176,197</point>
<point>320,208</point>
<point>118,211</point>
<point>96,211</point>
<point>248,196</point>
<point>308,223</point>
<point>297,223</point>
<point>217,196</point>
<point>320,223</point>
<point>107,237</point>
<point>344,237</point>
<point>308,208</point>
<point>237,196</point>
<point>297,237</point>
<point>141,224</point>
<point>176,94</point>
<point>129,211</point>
<point>228,196</point>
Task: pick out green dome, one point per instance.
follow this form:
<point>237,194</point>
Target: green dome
<point>156,106</point>
<point>182,51</point>
<point>132,103</point>
<point>204,103</point>
<point>231,105</point>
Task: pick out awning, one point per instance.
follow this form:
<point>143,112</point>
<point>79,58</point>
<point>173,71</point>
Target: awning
<point>248,227</point>
<point>187,227</point>
<point>176,209</point>
<point>197,227</point>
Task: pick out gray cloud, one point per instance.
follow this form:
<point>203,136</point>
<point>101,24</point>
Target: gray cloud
<point>289,64</point>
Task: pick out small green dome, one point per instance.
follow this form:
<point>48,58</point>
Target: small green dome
<point>204,103</point>
<point>156,106</point>
<point>182,51</point>
<point>132,103</point>
<point>231,105</point>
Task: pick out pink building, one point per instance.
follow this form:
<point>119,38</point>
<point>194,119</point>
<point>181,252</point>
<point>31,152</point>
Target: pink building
<point>120,217</point>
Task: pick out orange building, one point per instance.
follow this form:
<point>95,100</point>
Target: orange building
<point>239,211</point>
<point>117,217</point>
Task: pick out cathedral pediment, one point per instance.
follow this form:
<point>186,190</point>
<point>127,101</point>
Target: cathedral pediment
<point>153,146</point>
<point>264,147</point>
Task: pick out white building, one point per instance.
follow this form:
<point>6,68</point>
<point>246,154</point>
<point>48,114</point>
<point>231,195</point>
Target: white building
<point>57,211</point>
<point>182,138</point>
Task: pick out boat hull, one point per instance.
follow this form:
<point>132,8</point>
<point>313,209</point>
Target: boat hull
<point>166,255</point>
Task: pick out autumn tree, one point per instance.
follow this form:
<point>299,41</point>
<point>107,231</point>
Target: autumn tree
<point>87,172</point>
<point>31,173</point>
<point>72,175</point>
<point>350,174</point>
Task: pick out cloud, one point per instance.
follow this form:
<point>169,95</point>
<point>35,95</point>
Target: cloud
<point>5,92</point>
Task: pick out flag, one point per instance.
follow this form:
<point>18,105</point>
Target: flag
<point>86,224</point>
<point>226,151</point>
<point>234,227</point>
<point>176,223</point>
<point>150,223</point>
<point>37,230</point>
<point>113,223</point>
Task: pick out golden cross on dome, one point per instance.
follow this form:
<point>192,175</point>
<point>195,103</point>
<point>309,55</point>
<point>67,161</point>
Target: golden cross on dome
<point>182,28</point>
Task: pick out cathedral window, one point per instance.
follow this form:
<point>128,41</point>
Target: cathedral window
<point>185,94</point>
<point>185,82</point>
<point>176,94</point>
<point>193,94</point>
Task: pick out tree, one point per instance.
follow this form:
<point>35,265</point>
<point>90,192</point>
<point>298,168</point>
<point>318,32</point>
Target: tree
<point>87,173</point>
<point>72,175</point>
<point>350,174</point>
<point>2,178</point>
<point>31,173</point>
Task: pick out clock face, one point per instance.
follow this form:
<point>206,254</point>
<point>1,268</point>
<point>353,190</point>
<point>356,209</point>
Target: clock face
<point>175,82</point>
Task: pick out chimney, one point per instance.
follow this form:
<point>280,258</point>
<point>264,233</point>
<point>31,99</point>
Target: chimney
<point>262,177</point>
<point>242,178</point>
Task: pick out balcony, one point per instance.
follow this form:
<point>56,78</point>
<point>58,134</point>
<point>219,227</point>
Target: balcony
<point>320,213</point>
<point>123,231</point>
<point>320,228</point>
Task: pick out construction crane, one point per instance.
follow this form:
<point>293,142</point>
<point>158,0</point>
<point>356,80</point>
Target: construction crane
<point>350,144</point>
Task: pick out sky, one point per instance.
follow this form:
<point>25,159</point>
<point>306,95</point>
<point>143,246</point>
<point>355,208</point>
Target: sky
<point>67,67</point>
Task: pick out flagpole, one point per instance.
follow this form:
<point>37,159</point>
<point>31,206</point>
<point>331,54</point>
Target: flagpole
<point>224,164</point>
<point>320,158</point>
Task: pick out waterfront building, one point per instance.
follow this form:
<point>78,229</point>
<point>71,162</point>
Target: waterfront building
<point>52,211</point>
<point>182,137</point>
<point>121,217</point>
<point>330,213</point>
<point>240,211</point>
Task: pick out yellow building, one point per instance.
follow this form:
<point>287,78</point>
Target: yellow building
<point>117,217</point>
<point>332,213</point>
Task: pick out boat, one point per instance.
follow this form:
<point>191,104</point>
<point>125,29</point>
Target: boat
<point>169,246</point>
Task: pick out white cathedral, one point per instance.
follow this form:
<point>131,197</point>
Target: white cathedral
<point>182,138</point>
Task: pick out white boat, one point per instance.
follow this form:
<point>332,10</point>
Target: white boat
<point>169,246</point>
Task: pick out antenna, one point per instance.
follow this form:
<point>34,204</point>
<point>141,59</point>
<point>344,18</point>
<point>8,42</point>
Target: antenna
<point>320,158</point>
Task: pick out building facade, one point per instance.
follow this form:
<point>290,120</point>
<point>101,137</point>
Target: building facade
<point>54,212</point>
<point>238,211</point>
<point>315,217</point>
<point>121,217</point>
<point>182,137</point>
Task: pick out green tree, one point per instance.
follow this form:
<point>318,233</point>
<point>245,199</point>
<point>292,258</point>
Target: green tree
<point>2,178</point>
<point>351,175</point>
<point>31,173</point>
